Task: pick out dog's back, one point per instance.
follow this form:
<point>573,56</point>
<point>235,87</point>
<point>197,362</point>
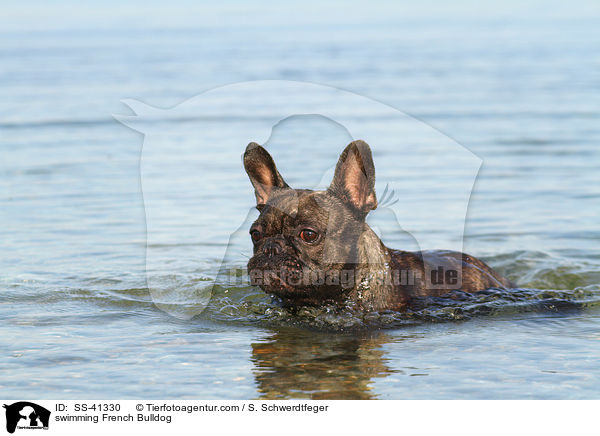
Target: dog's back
<point>443,270</point>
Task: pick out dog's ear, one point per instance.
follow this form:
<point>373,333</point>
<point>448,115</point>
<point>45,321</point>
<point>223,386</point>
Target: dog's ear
<point>354,178</point>
<point>262,172</point>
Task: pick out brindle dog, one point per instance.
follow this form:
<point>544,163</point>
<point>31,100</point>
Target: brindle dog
<point>315,247</point>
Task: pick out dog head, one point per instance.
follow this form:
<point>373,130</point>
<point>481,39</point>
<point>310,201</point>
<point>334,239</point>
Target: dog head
<point>306,243</point>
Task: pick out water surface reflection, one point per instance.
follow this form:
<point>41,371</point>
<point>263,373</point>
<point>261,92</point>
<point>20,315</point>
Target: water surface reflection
<point>293,363</point>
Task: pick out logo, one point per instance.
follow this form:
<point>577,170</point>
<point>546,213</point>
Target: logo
<point>26,415</point>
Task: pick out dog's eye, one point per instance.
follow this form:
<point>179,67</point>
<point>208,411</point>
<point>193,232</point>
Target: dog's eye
<point>308,235</point>
<point>255,235</point>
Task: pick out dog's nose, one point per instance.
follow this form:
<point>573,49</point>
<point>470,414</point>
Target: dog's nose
<point>271,248</point>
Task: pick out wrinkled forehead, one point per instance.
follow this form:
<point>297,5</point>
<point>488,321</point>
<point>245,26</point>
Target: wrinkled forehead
<point>298,205</point>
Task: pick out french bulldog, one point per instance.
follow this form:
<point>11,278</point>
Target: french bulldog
<point>315,247</point>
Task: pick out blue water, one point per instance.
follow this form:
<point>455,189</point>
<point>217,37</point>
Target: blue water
<point>518,85</point>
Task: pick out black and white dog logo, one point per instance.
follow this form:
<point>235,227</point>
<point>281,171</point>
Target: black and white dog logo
<point>26,415</point>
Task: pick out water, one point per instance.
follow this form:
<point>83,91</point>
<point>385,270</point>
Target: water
<point>518,86</point>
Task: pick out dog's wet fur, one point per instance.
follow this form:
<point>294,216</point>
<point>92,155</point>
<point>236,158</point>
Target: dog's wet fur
<point>315,247</point>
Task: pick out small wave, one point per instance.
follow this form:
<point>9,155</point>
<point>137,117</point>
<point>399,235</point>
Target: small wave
<point>544,287</point>
<point>248,306</point>
<point>228,118</point>
<point>56,123</point>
